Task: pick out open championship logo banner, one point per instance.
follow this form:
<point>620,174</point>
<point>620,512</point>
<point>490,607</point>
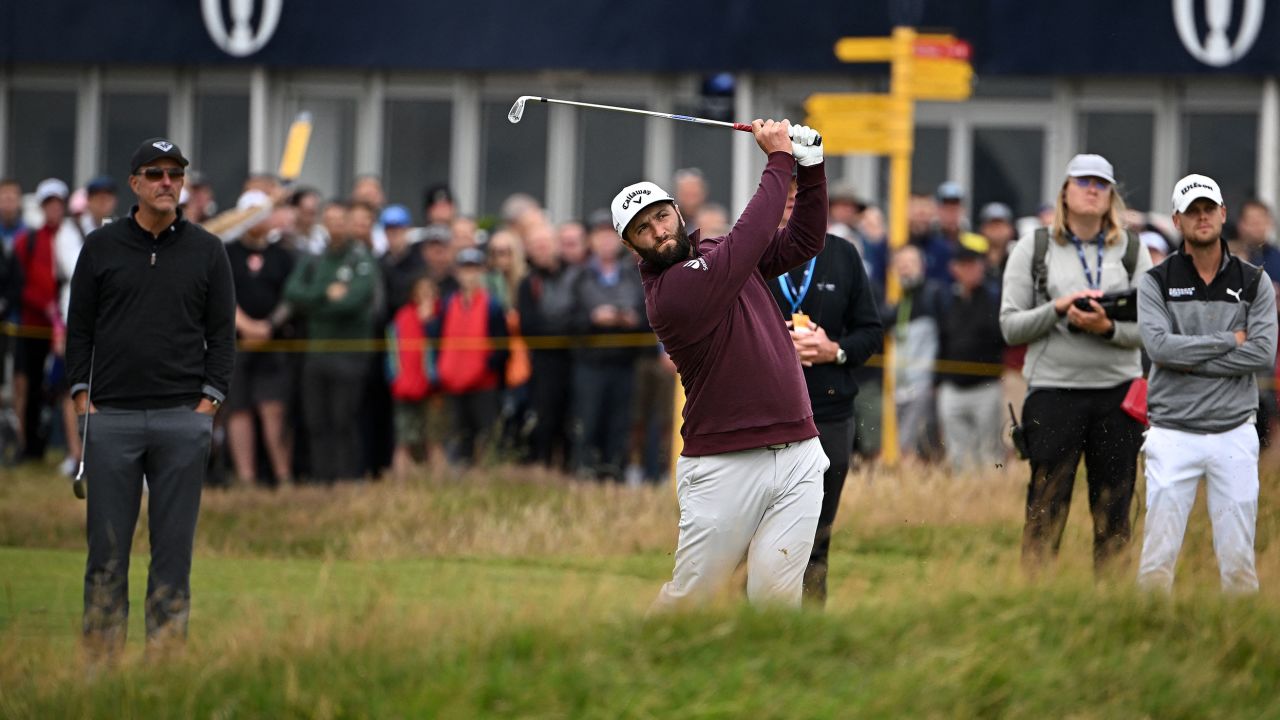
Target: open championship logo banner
<point>1215,49</point>
<point>241,41</point>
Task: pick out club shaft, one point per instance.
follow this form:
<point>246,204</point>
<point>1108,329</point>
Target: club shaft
<point>651,113</point>
<point>88,405</point>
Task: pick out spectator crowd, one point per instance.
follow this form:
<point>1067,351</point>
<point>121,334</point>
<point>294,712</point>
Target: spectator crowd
<point>375,337</point>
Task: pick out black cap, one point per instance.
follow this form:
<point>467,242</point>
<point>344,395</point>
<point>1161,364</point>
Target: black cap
<point>435,194</point>
<point>152,149</point>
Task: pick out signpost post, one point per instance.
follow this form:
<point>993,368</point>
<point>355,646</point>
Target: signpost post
<point>922,67</point>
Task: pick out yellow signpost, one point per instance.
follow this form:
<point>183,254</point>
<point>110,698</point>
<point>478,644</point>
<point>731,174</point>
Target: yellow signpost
<point>922,67</point>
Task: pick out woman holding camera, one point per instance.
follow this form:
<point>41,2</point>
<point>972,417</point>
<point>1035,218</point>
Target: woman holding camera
<point>1080,362</point>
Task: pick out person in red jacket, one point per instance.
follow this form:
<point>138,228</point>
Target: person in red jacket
<point>39,317</point>
<point>472,328</point>
<point>749,479</point>
<point>410,367</point>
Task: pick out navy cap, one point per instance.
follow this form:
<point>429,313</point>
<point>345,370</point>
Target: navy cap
<point>101,184</point>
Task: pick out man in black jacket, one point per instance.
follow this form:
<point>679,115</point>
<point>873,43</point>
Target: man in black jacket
<point>150,348</point>
<point>835,327</point>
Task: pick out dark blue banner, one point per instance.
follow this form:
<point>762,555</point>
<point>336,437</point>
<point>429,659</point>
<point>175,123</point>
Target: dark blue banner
<point>1010,37</point>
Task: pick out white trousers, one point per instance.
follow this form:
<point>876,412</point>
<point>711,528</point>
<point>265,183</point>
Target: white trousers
<point>1176,461</point>
<point>762,504</point>
<point>971,422</point>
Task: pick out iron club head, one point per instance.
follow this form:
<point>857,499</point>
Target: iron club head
<point>517,110</point>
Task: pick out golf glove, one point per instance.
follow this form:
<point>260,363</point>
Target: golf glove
<point>802,145</point>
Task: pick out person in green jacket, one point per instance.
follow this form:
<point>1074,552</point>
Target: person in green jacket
<point>338,293</point>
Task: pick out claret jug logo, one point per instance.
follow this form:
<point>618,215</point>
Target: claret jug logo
<point>241,40</point>
<point>1215,48</point>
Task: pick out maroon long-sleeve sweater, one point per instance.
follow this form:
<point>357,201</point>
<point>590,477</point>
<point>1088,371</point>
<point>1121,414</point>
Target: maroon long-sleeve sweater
<point>714,313</point>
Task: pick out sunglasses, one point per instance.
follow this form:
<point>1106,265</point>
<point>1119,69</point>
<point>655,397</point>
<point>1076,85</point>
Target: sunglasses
<point>1084,182</point>
<point>155,174</point>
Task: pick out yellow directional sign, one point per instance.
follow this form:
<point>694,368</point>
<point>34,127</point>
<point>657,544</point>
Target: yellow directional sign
<point>864,50</point>
<point>859,123</point>
<point>840,140</point>
<point>848,103</point>
<point>944,79</point>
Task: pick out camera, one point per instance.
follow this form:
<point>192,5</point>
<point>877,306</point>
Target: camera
<point>1119,306</point>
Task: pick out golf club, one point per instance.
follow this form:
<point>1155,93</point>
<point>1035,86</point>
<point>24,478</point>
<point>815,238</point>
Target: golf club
<point>78,483</point>
<point>517,112</point>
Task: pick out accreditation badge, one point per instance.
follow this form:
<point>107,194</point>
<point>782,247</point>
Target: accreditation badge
<point>800,321</point>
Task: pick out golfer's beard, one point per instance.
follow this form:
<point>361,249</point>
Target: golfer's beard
<point>663,259</point>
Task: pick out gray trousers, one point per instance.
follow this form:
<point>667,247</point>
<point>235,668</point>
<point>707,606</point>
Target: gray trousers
<point>171,447</point>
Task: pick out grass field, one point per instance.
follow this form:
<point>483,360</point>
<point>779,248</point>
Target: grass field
<point>515,594</point>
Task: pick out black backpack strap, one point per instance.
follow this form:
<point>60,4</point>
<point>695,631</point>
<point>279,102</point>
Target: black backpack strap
<point>1039,269</point>
<point>1131,253</point>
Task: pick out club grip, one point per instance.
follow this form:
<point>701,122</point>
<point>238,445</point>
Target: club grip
<point>744,127</point>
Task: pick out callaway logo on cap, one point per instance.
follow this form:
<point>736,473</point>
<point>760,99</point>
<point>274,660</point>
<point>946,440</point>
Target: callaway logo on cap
<point>162,146</point>
<point>631,199</point>
<point>1193,187</point>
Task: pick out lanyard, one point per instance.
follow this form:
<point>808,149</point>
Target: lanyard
<point>1088,276</point>
<point>789,291</point>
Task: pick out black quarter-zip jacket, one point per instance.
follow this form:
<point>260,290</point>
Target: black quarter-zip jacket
<point>156,314</point>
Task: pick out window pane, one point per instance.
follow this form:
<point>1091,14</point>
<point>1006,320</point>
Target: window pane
<point>1223,146</point>
<point>330,161</point>
<point>416,150</point>
<point>514,156</point>
<point>42,136</point>
<point>221,151</point>
<point>130,118</point>
<point>929,161</point>
<point>1126,140</point>
<point>612,156</point>
<point>1007,164</point>
<point>708,148</point>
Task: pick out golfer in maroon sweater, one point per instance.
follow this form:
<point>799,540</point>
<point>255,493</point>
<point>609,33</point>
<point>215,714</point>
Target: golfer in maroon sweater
<point>749,480</point>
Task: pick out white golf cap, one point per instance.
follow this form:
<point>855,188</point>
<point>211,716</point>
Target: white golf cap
<point>632,199</point>
<point>253,199</point>
<point>1091,166</point>
<point>51,188</point>
<point>1192,187</point>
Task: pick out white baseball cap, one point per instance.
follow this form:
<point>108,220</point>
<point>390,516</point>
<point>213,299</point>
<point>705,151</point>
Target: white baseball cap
<point>1192,187</point>
<point>253,199</point>
<point>51,188</point>
<point>1091,166</point>
<point>632,199</point>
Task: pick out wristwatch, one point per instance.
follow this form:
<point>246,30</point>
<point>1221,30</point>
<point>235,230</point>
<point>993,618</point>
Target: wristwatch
<point>215,402</point>
<point>841,357</point>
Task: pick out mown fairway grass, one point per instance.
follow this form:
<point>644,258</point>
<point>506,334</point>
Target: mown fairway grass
<point>514,594</point>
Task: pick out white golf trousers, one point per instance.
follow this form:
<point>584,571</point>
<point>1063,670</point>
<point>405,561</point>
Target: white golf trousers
<point>762,504</point>
<point>1176,461</point>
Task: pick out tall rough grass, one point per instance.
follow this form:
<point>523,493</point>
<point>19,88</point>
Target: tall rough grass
<point>511,593</point>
